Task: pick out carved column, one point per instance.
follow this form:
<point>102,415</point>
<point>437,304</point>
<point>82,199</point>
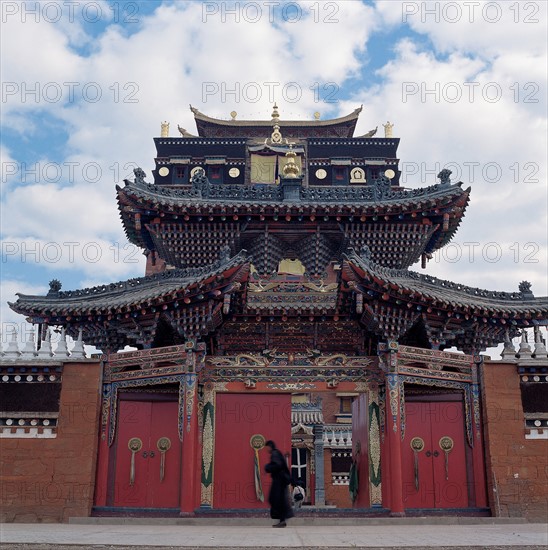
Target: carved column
<point>477,451</point>
<point>190,470</point>
<point>393,430</point>
<point>208,440</point>
<point>319,494</point>
<point>189,478</point>
<point>374,435</point>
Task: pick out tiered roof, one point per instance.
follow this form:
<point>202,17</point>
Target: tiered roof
<point>398,225</point>
<point>212,236</point>
<point>451,314</point>
<point>336,127</point>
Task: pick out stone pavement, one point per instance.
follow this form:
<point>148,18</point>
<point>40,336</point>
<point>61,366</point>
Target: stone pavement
<point>371,536</point>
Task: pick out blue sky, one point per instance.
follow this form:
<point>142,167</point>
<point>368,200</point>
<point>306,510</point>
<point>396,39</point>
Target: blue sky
<point>464,89</point>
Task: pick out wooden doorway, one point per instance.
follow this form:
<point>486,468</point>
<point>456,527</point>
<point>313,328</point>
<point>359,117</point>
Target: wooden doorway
<point>147,456</point>
<point>434,454</point>
<point>238,417</point>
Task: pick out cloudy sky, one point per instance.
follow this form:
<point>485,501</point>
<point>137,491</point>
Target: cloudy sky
<point>85,86</point>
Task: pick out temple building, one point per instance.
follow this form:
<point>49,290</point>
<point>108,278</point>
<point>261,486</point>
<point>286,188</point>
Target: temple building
<point>278,303</point>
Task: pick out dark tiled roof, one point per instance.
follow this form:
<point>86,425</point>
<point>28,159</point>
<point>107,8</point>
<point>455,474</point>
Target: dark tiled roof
<point>337,127</point>
<point>428,288</point>
<point>123,293</point>
<point>202,191</point>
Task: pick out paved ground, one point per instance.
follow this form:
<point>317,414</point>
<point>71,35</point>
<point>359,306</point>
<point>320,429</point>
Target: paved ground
<point>531,536</point>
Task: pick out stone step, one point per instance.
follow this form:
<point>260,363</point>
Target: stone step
<point>296,521</point>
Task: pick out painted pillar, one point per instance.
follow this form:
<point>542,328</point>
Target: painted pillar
<point>208,444</point>
<point>190,478</point>
<point>374,447</point>
<point>101,482</point>
<point>319,490</point>
<point>190,470</point>
<point>477,453</point>
<point>393,430</point>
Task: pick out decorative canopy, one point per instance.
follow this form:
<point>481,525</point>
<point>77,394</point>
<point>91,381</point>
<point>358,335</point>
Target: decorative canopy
<point>395,301</point>
<point>336,127</point>
<point>185,304</point>
<point>187,227</point>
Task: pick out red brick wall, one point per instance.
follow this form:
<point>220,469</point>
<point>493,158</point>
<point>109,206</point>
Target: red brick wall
<point>338,495</point>
<point>331,406</point>
<point>516,467</point>
<point>50,480</point>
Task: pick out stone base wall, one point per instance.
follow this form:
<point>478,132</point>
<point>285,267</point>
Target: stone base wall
<point>517,468</point>
<point>50,480</point>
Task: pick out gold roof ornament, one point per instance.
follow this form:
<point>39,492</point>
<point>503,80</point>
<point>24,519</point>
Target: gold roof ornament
<point>164,132</point>
<point>388,129</point>
<point>291,170</point>
<point>275,114</point>
<point>233,114</point>
<point>317,115</point>
<point>276,136</point>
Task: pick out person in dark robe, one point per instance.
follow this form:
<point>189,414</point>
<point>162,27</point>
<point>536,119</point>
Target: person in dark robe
<point>280,506</point>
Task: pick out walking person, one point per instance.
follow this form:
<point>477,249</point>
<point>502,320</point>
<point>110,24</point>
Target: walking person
<point>280,507</point>
<point>299,494</point>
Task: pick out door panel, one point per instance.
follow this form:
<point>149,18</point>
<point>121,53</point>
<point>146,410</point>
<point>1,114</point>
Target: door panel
<point>417,475</point>
<point>237,418</point>
<point>450,485</point>
<point>146,422</point>
<point>360,437</point>
<point>434,433</point>
<point>163,433</point>
<point>133,422</point>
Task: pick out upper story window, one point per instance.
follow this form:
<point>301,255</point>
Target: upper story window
<point>180,175</point>
<point>340,175</point>
<point>215,174</point>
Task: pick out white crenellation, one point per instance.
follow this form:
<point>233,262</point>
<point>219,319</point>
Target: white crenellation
<point>540,347</point>
<point>524,348</point>
<point>12,352</point>
<point>509,351</point>
<point>78,351</point>
<point>62,350</point>
<point>45,351</point>
<point>30,348</point>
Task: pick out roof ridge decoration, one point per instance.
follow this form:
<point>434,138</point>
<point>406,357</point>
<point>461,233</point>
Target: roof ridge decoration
<point>198,115</point>
<point>381,190</point>
<point>224,262</point>
<point>363,260</point>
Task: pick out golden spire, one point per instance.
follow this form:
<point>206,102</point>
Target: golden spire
<point>276,136</point>
<point>291,170</point>
<point>275,114</point>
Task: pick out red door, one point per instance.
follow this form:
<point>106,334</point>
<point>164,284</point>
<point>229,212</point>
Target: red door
<point>148,455</point>
<point>237,418</point>
<point>360,436</point>
<point>434,456</point>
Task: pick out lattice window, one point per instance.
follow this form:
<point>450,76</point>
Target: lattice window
<point>29,401</point>
<point>340,466</point>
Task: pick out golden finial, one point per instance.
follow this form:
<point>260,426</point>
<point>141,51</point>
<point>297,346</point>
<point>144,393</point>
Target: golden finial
<point>275,113</point>
<point>233,114</point>
<point>291,170</point>
<point>388,129</point>
<point>276,136</point>
<point>317,115</point>
<point>164,129</point>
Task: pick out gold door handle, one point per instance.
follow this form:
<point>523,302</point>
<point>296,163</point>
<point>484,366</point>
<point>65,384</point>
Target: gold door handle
<point>446,445</point>
<point>163,444</point>
<point>417,444</point>
<point>257,443</point>
<point>134,445</point>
